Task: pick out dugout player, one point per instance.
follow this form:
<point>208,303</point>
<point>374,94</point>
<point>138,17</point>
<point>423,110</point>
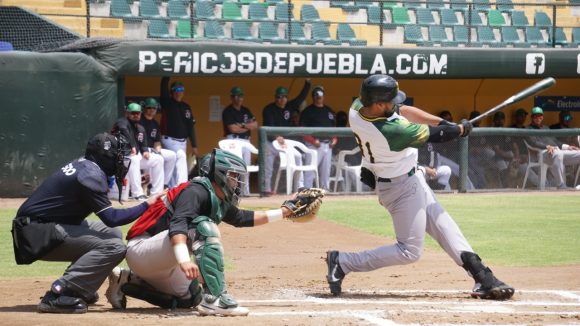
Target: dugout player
<point>238,123</point>
<point>51,224</point>
<point>177,125</point>
<point>280,114</point>
<point>319,114</point>
<point>389,134</point>
<point>185,221</point>
<point>153,136</point>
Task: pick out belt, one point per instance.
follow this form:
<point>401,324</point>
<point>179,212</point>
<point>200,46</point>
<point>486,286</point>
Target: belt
<point>232,136</point>
<point>410,173</point>
<point>176,139</point>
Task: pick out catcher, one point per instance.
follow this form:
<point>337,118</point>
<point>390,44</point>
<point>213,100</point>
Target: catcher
<point>184,222</point>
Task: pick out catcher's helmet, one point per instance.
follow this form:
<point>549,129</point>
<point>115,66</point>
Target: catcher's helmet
<point>380,88</point>
<point>225,169</point>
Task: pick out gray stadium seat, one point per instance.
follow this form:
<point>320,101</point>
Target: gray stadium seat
<point>459,4</point>
<point>257,12</point>
<point>344,33</point>
<point>534,36</point>
<point>413,34</point>
<point>213,30</point>
<point>241,31</point>
<point>448,17</point>
<point>204,10</point>
<point>177,9</point>
<point>485,35</point>
<point>148,9</point>
<point>575,41</point>
<point>475,18</point>
<point>504,5</point>
<point>509,34</point>
<point>282,14</point>
<point>321,34</point>
<point>120,9</point>
<point>308,13</point>
<point>158,29</point>
<point>424,16</point>
<point>437,34</point>
<point>560,38</point>
<point>519,19</point>
<point>268,32</point>
<point>481,5</point>
<point>297,34</point>
<point>541,19</point>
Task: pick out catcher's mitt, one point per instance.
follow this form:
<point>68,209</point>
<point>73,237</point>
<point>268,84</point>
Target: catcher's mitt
<point>305,204</point>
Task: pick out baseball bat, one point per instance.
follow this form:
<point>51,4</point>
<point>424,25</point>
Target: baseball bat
<point>537,87</point>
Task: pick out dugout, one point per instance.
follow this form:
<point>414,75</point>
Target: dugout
<point>53,102</point>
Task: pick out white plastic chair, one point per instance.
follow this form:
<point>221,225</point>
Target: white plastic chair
<point>288,163</point>
<point>536,160</point>
<point>344,172</point>
<point>236,147</point>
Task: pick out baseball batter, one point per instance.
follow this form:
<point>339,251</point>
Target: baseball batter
<point>388,134</point>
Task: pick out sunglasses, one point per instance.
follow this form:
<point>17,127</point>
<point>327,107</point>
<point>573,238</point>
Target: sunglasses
<point>281,96</point>
<point>134,113</point>
<point>179,89</point>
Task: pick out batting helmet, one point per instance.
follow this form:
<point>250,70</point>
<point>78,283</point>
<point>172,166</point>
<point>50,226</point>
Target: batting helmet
<point>381,88</point>
<point>226,170</point>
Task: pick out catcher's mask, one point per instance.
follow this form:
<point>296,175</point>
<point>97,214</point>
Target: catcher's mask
<point>226,170</point>
<point>111,154</point>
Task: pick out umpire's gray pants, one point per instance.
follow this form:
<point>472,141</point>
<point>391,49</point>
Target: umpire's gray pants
<point>93,250</point>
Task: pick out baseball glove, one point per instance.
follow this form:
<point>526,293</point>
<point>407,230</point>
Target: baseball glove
<point>305,204</point>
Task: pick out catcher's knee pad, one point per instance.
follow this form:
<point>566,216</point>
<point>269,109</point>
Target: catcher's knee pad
<point>209,255</point>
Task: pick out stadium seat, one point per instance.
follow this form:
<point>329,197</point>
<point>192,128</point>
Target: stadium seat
<point>519,19</point>
<point>436,4</point>
<point>241,31</point>
<point>575,41</point>
<point>273,2</point>
<point>268,32</point>
<point>448,17</point>
<point>485,35</point>
<point>401,16</point>
<point>344,33</point>
<point>541,19</point>
<point>308,13</point>
<point>481,5</point>
<point>362,4</point>
<point>344,5</point>
<point>6,46</point>
<point>177,9</point>
<point>413,34</point>
<point>424,16</point>
<point>437,34</point>
<point>249,2</point>
<point>297,34</point>
<point>213,30</point>
<point>560,38</point>
<point>534,36</point>
<point>460,34</point>
<point>120,9</point>
<point>148,9</point>
<point>158,29</point>
<point>283,12</point>
<point>183,29</point>
<point>495,18</point>
<point>459,4</point>
<point>257,12</point>
<point>374,15</point>
<point>474,18</point>
<point>231,11</point>
<point>390,4</point>
<point>504,5</point>
<point>509,35</point>
<point>204,10</point>
<point>320,34</point>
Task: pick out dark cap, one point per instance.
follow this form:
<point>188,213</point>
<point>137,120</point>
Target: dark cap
<point>474,114</point>
<point>318,91</point>
<point>150,103</point>
<point>281,91</point>
<point>176,85</point>
<point>521,111</point>
<point>498,115</point>
<point>537,110</point>
<point>102,143</point>
<point>237,91</point>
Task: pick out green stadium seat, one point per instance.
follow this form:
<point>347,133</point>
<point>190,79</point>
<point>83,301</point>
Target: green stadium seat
<point>413,34</point>
<point>374,15</point>
<point>437,34</point>
<point>241,31</point>
<point>534,36</point>
<point>541,19</point>
<point>213,30</point>
<point>297,34</point>
<point>183,29</point>
<point>495,18</point>
<point>560,38</point>
<point>575,41</point>
<point>257,12</point>
<point>158,29</point>
<point>509,35</point>
<point>481,5</point>
<point>177,9</point>
<point>424,16</point>
<point>308,13</point>
<point>321,34</point>
<point>345,33</point>
<point>390,4</point>
<point>485,35</point>
<point>268,32</point>
<point>504,5</point>
<point>519,19</point>
<point>204,10</point>
<point>231,11</point>
<point>249,2</point>
<point>435,4</point>
<point>459,4</point>
<point>473,17</point>
<point>283,12</point>
<point>148,9</point>
<point>401,16</point>
<point>120,9</point>
<point>448,17</point>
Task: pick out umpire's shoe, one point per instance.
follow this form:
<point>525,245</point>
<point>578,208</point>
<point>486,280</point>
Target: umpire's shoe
<point>335,274</point>
<point>61,304</point>
<point>117,278</point>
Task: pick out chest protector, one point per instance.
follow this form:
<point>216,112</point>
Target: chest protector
<point>164,205</point>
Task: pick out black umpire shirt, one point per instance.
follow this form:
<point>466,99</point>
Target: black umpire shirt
<point>176,118</point>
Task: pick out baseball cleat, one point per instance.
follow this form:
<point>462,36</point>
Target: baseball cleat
<point>498,291</point>
<point>61,304</point>
<point>115,296</point>
<point>224,305</point>
<point>335,274</point>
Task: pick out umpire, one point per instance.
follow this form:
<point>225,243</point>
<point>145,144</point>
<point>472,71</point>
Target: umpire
<point>51,225</point>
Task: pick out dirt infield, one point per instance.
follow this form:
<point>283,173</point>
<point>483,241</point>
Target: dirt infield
<point>279,274</point>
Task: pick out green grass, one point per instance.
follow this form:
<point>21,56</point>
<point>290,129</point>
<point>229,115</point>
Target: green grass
<point>540,229</point>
